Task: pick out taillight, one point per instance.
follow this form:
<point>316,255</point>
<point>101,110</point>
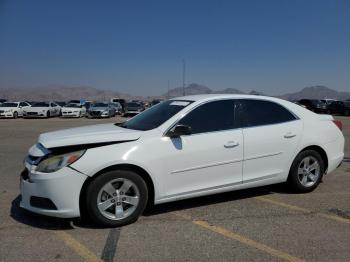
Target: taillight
<point>338,123</point>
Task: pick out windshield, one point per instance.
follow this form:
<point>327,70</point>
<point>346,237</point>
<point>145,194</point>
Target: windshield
<point>74,101</point>
<point>100,105</point>
<point>73,105</point>
<point>347,103</point>
<point>9,104</point>
<point>41,104</point>
<point>156,115</point>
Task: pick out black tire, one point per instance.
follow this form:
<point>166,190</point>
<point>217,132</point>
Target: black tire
<point>48,114</point>
<point>293,178</point>
<point>346,113</point>
<point>15,115</point>
<point>92,193</point>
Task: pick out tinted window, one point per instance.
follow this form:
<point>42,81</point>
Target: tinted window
<point>259,112</point>
<point>41,104</point>
<point>100,105</point>
<point>8,104</point>
<point>156,115</point>
<point>212,116</point>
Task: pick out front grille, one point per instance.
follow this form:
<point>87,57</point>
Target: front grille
<point>32,113</point>
<point>2,111</point>
<point>42,202</point>
<point>95,113</point>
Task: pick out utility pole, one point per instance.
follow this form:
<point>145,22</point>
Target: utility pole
<point>183,76</point>
<point>168,95</point>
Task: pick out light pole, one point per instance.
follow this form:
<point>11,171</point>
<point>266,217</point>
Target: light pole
<point>183,77</point>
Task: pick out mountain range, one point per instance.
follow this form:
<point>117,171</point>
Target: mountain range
<point>64,93</point>
<point>312,92</point>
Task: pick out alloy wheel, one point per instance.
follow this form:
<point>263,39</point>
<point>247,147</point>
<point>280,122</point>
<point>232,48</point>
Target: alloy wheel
<point>308,171</point>
<point>118,199</point>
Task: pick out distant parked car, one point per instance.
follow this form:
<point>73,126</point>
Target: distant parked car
<point>314,105</point>
<point>133,108</point>
<point>42,109</point>
<point>61,103</point>
<point>121,101</point>
<point>118,107</point>
<point>87,104</point>
<point>339,107</point>
<point>13,109</point>
<point>328,101</point>
<point>77,101</point>
<point>101,110</point>
<point>154,102</point>
<point>73,110</point>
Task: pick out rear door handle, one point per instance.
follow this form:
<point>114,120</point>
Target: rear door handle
<point>289,135</point>
<point>231,144</point>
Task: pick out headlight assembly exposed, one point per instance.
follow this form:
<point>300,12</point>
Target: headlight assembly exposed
<point>54,163</point>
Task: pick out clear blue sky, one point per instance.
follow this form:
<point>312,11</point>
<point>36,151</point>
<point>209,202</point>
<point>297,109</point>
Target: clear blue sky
<point>137,46</point>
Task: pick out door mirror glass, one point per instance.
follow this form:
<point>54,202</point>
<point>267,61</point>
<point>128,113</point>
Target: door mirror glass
<point>179,130</point>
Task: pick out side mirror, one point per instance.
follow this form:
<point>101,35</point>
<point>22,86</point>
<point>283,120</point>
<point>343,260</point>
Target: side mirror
<point>179,130</point>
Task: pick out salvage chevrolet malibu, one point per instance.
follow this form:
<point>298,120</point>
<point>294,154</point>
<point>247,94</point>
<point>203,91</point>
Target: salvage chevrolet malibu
<point>181,148</point>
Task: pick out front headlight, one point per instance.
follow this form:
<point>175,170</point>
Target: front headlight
<point>8,111</point>
<point>55,163</point>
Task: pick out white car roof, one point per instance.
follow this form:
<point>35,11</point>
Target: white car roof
<point>206,97</point>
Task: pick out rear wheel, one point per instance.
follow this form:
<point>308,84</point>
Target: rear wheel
<point>116,198</point>
<point>306,171</point>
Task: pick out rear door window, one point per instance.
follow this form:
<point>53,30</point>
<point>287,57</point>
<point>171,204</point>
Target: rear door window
<point>254,112</point>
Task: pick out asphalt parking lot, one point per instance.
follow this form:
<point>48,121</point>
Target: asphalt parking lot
<point>262,224</point>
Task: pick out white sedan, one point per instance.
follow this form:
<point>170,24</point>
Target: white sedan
<point>73,110</point>
<point>13,109</point>
<point>181,148</point>
<point>42,109</point>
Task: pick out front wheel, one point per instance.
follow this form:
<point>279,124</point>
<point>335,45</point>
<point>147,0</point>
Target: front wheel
<point>116,198</point>
<point>306,171</point>
<point>48,114</point>
<point>15,115</point>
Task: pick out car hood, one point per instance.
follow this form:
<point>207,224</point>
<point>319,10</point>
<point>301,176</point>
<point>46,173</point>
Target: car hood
<point>103,133</point>
<point>36,109</point>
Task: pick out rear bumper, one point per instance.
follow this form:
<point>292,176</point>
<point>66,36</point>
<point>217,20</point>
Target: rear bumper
<point>335,153</point>
<point>335,162</point>
<point>61,188</point>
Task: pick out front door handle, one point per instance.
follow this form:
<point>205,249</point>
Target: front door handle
<point>289,135</point>
<point>231,144</point>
